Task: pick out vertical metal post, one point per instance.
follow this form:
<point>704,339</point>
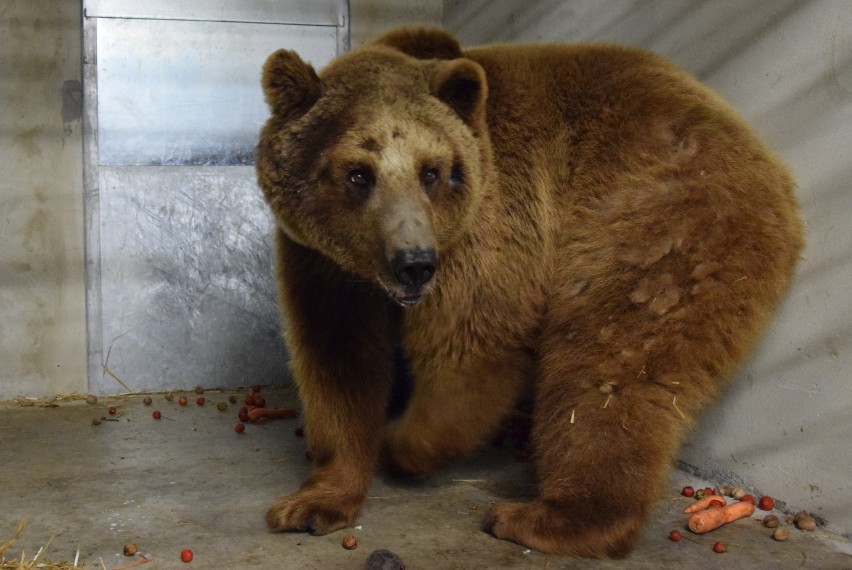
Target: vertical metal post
<point>91,204</point>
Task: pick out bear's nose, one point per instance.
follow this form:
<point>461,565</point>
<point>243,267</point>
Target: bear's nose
<point>413,268</point>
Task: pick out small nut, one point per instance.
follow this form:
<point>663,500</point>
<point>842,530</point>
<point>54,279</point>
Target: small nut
<point>739,493</point>
<point>770,521</point>
<point>96,421</point>
<point>169,396</point>
<point>91,399</point>
<point>781,534</point>
<point>349,542</point>
<point>222,406</point>
<point>130,549</point>
<point>147,400</point>
<point>806,522</point>
<point>199,389</point>
<point>789,519</point>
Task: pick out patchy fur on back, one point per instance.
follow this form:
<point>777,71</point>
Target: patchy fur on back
<point>585,222</point>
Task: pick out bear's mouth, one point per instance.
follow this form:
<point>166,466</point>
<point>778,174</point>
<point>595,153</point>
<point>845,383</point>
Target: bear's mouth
<point>407,298</point>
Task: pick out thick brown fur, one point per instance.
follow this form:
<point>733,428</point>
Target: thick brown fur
<point>602,229</point>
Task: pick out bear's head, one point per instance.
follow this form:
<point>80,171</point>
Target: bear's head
<point>380,161</point>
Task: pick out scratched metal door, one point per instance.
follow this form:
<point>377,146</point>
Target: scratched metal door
<point>180,277</point>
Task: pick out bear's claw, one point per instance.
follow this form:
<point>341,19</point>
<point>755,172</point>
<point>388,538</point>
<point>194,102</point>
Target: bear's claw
<point>553,530</point>
<point>308,511</point>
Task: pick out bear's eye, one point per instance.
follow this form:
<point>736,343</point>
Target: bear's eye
<point>360,178</point>
<point>429,177</point>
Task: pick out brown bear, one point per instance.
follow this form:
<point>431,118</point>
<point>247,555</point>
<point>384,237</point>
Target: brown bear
<point>587,222</point>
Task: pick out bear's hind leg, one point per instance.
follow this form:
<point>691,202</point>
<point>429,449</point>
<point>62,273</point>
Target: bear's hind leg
<point>600,459</point>
<point>617,389</point>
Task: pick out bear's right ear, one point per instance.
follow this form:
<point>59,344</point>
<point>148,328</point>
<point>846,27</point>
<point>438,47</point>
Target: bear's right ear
<point>422,43</point>
<point>290,86</point>
<point>461,85</point>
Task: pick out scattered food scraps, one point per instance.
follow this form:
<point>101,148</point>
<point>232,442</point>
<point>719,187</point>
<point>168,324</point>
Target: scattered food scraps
<point>675,536</point>
<point>349,542</point>
<point>781,534</point>
<point>707,520</point>
<point>704,503</point>
<point>804,521</point>
<point>258,413</point>
<point>130,549</point>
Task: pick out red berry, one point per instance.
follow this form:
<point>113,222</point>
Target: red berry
<point>250,400</point>
<point>708,491</point>
<point>112,410</point>
<point>675,536</point>
<point>186,555</point>
<point>182,401</point>
<point>157,415</point>
<point>255,388</point>
<point>239,427</point>
<point>260,401</point>
<point>200,401</point>
<point>716,503</point>
<point>687,491</point>
<point>243,414</point>
<point>720,547</point>
<point>749,498</point>
<point>766,503</point>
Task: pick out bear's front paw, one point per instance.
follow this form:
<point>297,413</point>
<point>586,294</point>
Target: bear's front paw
<point>557,530</point>
<point>313,510</point>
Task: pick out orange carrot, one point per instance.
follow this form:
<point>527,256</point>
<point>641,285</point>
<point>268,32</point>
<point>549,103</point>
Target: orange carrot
<point>704,503</point>
<point>707,520</point>
<point>257,413</point>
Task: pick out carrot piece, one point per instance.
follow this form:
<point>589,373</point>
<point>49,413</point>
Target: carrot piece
<point>707,520</point>
<point>704,503</point>
<point>257,413</point>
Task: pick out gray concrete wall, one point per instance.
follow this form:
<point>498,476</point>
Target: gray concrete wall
<point>784,424</point>
<point>369,18</point>
<point>42,291</point>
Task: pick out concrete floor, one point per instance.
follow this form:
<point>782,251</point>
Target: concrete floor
<point>189,481</point>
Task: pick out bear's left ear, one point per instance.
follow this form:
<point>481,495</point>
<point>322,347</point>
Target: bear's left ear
<point>422,43</point>
<point>461,84</point>
<point>290,85</point>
